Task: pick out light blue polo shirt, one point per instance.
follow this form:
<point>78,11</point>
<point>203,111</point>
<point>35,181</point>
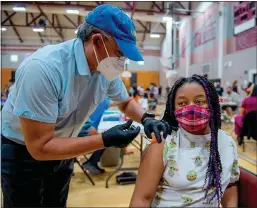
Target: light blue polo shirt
<point>55,85</point>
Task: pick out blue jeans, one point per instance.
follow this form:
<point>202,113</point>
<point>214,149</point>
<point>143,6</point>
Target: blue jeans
<point>95,157</point>
<point>27,182</point>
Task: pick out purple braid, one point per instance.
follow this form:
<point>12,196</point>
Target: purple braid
<point>214,165</point>
<point>213,174</point>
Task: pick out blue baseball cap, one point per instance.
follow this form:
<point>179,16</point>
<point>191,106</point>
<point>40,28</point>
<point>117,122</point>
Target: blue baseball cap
<point>115,22</point>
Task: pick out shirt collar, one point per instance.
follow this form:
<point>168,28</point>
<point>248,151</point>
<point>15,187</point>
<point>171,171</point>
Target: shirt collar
<point>191,140</point>
<point>80,57</point>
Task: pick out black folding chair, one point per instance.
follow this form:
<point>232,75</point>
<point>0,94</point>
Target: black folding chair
<point>88,176</point>
<point>249,129</point>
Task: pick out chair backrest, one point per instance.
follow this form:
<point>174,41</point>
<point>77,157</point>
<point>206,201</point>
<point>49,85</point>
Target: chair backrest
<point>249,125</point>
<point>247,189</point>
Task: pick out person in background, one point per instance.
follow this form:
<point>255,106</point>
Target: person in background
<point>148,91</point>
<point>136,95</point>
<point>134,85</point>
<point>151,86</point>
<point>235,87</point>
<point>152,102</point>
<point>89,129</point>
<point>160,91</point>
<point>143,102</point>
<point>140,90</point>
<point>233,97</point>
<point>2,96</point>
<point>249,104</point>
<point>249,89</point>
<point>167,90</point>
<point>131,90</point>
<point>219,89</point>
<point>8,87</point>
<point>3,99</point>
<point>155,91</point>
<point>12,84</point>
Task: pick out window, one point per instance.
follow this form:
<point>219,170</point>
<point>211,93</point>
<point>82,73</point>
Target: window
<point>252,5</point>
<point>244,17</point>
<point>236,13</point>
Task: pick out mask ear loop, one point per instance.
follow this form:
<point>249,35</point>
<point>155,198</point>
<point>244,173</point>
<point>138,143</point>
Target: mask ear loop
<point>95,55</point>
<point>105,47</point>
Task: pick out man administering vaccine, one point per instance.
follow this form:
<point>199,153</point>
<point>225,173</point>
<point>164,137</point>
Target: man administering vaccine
<point>56,89</point>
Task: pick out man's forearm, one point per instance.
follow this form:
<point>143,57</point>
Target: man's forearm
<point>67,148</point>
<point>132,110</point>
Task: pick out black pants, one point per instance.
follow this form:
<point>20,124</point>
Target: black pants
<point>27,182</point>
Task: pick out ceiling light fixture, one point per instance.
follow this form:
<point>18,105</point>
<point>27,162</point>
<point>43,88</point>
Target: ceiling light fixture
<point>141,63</point>
<point>19,8</point>
<point>76,31</point>
<point>72,11</point>
<point>127,62</point>
<point>126,74</point>
<point>14,58</point>
<point>155,36</point>
<point>166,18</point>
<point>36,29</point>
<point>3,29</point>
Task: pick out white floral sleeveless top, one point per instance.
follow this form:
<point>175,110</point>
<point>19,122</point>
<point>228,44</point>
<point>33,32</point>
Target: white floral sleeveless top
<point>186,159</point>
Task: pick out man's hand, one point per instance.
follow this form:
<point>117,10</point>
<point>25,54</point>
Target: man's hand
<point>121,135</point>
<point>152,125</point>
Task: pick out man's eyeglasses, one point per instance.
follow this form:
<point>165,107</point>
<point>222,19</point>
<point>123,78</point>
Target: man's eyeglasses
<point>118,53</point>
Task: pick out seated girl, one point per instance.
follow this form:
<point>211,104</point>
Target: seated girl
<point>196,165</point>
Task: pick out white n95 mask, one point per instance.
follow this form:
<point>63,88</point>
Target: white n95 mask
<point>110,67</point>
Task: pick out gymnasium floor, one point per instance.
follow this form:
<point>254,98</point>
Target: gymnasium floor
<point>83,194</point>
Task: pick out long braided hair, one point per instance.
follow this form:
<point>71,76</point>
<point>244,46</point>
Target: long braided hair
<point>213,174</point>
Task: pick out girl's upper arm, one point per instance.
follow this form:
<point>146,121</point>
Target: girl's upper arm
<point>149,174</point>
